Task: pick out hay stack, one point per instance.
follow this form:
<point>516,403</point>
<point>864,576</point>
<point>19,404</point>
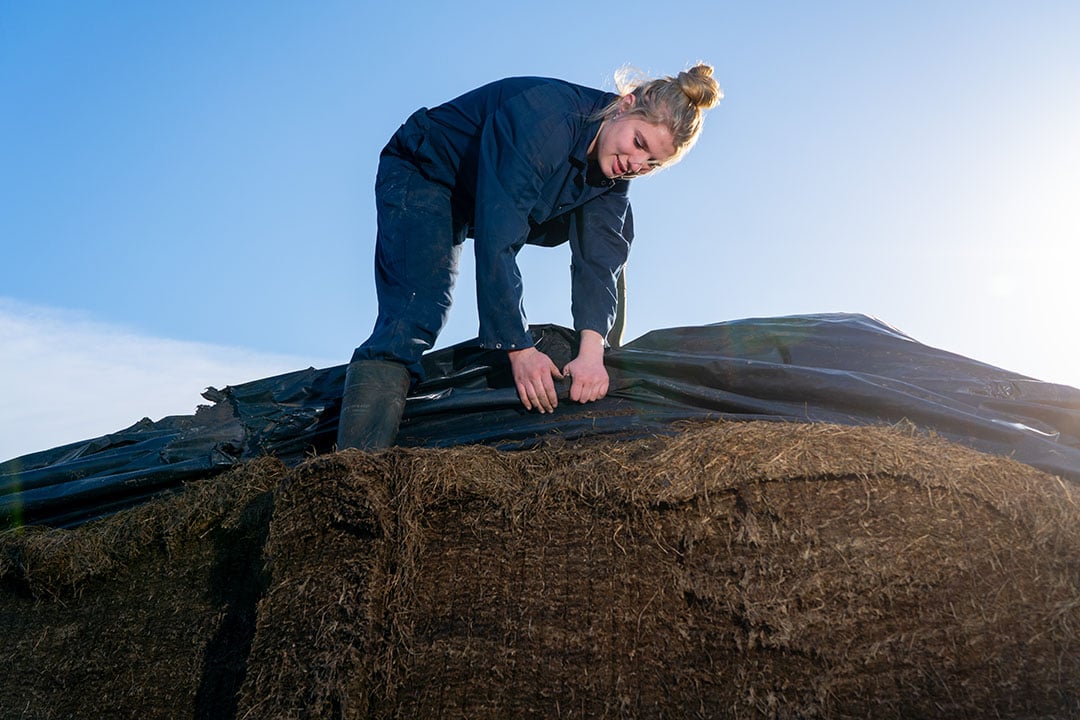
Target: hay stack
<point>737,570</point>
<point>734,570</point>
<point>147,614</point>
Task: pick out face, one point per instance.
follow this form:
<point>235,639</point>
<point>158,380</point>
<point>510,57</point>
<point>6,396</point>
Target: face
<point>627,146</point>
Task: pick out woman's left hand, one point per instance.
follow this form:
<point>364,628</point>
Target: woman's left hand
<point>587,372</point>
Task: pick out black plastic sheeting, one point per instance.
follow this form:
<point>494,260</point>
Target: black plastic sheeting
<point>848,369</point>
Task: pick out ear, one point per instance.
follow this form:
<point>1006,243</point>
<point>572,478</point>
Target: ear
<point>627,101</point>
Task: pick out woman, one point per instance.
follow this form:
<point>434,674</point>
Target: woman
<point>521,160</point>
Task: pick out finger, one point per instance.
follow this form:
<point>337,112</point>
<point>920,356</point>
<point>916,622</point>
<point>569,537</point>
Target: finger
<point>537,398</point>
<point>523,395</point>
<point>537,395</point>
<point>601,390</point>
<point>543,401</point>
<point>582,391</point>
<point>548,398</point>
<point>596,391</point>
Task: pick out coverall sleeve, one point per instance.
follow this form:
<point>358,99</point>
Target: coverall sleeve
<point>517,151</point>
<point>598,252</point>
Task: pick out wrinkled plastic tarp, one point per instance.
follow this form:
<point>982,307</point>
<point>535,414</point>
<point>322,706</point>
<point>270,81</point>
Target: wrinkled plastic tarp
<point>847,369</point>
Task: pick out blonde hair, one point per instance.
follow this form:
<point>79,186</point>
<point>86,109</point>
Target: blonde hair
<point>677,103</point>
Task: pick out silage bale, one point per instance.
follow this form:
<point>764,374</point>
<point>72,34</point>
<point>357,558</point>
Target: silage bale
<point>734,570</point>
<point>148,613</point>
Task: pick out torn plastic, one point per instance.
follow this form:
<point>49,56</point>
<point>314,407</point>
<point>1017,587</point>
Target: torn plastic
<point>847,369</point>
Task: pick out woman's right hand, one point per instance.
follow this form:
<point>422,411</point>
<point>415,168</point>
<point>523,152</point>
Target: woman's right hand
<point>533,373</point>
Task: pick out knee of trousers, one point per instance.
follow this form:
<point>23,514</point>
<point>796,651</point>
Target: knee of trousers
<point>398,340</point>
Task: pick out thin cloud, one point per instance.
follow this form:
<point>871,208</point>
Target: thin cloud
<point>66,377</point>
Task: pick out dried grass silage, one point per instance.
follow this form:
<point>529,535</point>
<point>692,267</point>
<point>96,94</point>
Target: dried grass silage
<point>735,570</point>
<point>146,614</point>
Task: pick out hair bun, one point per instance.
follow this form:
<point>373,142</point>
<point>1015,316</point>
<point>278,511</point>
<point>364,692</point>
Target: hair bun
<point>698,85</point>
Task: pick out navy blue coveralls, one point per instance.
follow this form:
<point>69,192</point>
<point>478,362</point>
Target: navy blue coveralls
<point>505,164</point>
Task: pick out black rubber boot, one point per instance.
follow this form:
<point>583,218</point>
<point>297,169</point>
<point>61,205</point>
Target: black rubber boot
<point>372,404</point>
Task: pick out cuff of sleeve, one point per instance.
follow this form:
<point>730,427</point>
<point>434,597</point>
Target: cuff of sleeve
<point>498,343</point>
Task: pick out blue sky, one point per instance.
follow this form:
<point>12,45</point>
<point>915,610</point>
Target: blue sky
<point>187,187</point>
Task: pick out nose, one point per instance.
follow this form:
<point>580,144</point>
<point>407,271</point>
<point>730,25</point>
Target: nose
<point>640,165</point>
